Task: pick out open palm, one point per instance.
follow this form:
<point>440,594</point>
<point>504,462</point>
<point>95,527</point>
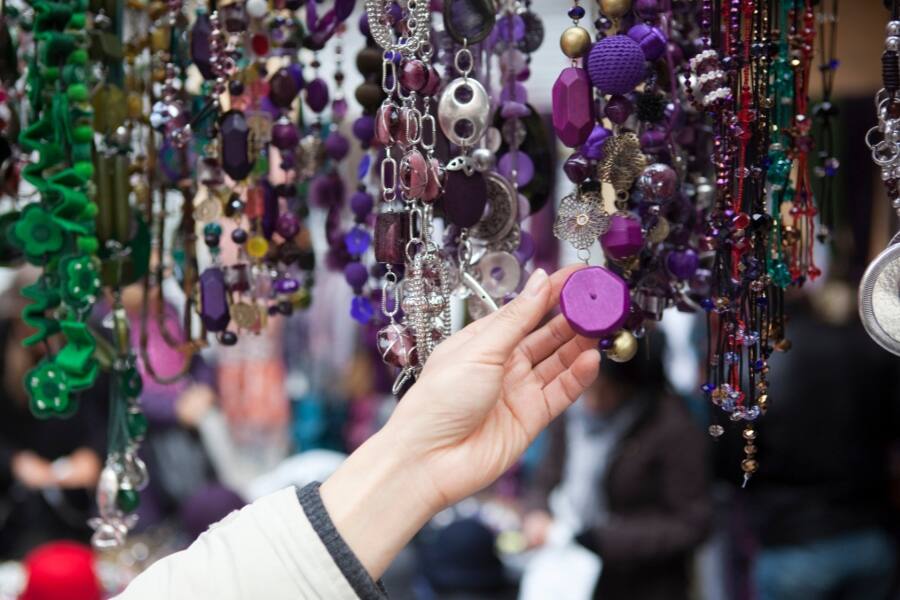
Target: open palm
<point>488,390</point>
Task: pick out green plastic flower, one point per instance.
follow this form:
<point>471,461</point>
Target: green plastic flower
<point>80,281</point>
<point>37,233</point>
<point>49,391</point>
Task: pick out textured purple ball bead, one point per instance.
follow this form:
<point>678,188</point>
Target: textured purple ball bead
<point>616,64</point>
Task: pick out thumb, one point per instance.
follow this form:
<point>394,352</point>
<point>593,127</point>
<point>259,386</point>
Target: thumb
<point>509,325</point>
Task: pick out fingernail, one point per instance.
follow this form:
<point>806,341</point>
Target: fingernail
<point>536,283</point>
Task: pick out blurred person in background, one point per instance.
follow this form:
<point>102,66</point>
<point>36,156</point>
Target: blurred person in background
<point>626,471</point>
<point>819,505</point>
<point>47,467</point>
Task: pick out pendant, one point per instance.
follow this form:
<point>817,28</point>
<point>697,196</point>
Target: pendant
<point>879,299</point>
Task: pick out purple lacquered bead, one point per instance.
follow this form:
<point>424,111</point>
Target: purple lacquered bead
<point>577,168</point>
<point>288,225</point>
<point>235,132</point>
<point>593,147</point>
<point>364,129</point>
<point>284,134</point>
<point>283,88</point>
<point>465,197</point>
<point>317,95</point>
<point>618,109</point>
<point>683,263</point>
<point>595,302</point>
<point>653,140</point>
<point>623,239</point>
<point>356,275</point>
<point>213,303</point>
<point>336,146</point>
<point>573,114</point>
<point>286,285</point>
<point>647,9</point>
<point>651,40</point>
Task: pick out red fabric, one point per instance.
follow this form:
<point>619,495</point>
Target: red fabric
<point>61,570</point>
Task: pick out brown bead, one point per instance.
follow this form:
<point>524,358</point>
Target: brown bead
<point>575,42</point>
<point>749,465</point>
<point>159,39</point>
<point>368,61</point>
<point>749,434</point>
<point>749,449</point>
<point>369,95</point>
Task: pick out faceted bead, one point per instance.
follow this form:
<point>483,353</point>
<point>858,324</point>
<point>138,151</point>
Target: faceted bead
<point>200,50</point>
<point>414,75</point>
<point>283,88</point>
<point>469,20</point>
<point>317,95</point>
<point>577,168</point>
<point>573,113</point>
<point>595,301</point>
<point>213,303</point>
<point>465,197</point>
<point>391,233</point>
<point>127,499</point>
<point>357,241</point>
<point>397,346</point>
<point>361,310</point>
<point>623,239</point>
<point>618,109</point>
<point>235,132</point>
<point>651,40</point>
<point>137,424</point>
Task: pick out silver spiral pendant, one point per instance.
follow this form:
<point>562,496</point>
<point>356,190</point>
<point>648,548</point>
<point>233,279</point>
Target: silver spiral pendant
<point>879,299</point>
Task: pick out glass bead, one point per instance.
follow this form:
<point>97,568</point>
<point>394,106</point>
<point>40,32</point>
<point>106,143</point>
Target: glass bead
<point>361,310</point>
<point>576,12</point>
<point>357,241</point>
<point>257,246</point>
<point>127,500</point>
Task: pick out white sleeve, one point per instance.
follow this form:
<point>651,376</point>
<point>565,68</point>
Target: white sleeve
<point>267,550</point>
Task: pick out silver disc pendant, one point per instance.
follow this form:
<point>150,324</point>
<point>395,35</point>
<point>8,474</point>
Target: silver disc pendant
<point>502,210</point>
<point>879,299</point>
<point>463,111</point>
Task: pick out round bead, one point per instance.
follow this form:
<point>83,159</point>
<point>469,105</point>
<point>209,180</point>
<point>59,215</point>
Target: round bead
<point>228,338</point>
<point>616,64</point>
<point>575,42</point>
<point>595,301</point>
<point>257,8</point>
<point>615,9</point>
<point>624,347</point>
<point>288,225</point>
<point>239,236</point>
<point>257,246</point>
<point>127,499</point>
<point>356,275</point>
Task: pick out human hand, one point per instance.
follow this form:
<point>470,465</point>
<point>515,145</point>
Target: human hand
<point>484,395</point>
<point>193,404</point>
<point>536,527</point>
<point>31,470</point>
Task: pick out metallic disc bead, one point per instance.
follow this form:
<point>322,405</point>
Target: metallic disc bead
<point>575,42</point>
<point>615,9</point>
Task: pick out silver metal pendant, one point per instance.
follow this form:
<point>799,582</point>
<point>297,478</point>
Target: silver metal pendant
<point>879,299</point>
<point>502,210</point>
<point>463,111</point>
<point>499,273</point>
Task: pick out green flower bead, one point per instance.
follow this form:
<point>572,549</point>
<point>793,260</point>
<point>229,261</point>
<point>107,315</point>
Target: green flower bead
<point>77,92</point>
<point>137,425</point>
<point>37,233</point>
<point>80,281</point>
<point>128,500</point>
<point>48,389</point>
<point>88,244</point>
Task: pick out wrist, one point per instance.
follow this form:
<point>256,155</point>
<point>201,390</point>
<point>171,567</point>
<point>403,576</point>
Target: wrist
<point>378,500</point>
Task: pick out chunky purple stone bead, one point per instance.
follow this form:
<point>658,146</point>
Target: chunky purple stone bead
<point>200,52</point>
<point>595,301</point>
<point>391,231</point>
<point>623,239</point>
<point>213,303</point>
<point>683,263</point>
<point>577,168</point>
<point>651,40</point>
<point>317,95</point>
<point>616,64</point>
<point>283,88</point>
<point>593,147</point>
<point>235,145</point>
<point>465,198</point>
<point>573,109</point>
<point>618,109</point>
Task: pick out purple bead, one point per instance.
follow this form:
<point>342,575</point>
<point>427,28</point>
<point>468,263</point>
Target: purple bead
<point>616,64</point>
<point>336,146</point>
<point>470,20</point>
<point>200,52</point>
<point>653,140</point>
<point>577,168</point>
<point>647,9</point>
<point>288,225</point>
<point>514,110</point>
<point>414,75</point>
<point>356,275</point>
<point>573,110</point>
<point>525,251</point>
<point>651,40</point>
<point>658,182</point>
<point>510,28</point>
<point>363,25</point>
<point>317,95</point>
<point>213,303</point>
<point>361,204</point>
<point>339,108</point>
<point>593,147</point>
<point>618,109</point>
<point>327,190</point>
<point>397,346</point>
<point>465,197</point>
<point>235,145</point>
<point>283,88</point>
<point>284,134</point>
<point>595,302</point>
<point>391,230</point>
<point>523,165</point>
<point>683,263</point>
<point>270,209</point>
<point>364,129</point>
<point>361,310</point>
<point>362,169</point>
<point>357,241</point>
<point>623,239</point>
<point>343,9</point>
<point>286,285</point>
<point>516,92</point>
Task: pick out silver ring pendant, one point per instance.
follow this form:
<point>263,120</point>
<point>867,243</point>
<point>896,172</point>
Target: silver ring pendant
<point>469,117</point>
<point>879,299</point>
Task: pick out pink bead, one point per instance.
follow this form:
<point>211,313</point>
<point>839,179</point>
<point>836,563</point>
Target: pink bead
<point>595,301</point>
<point>397,346</point>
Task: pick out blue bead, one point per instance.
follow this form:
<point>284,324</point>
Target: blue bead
<point>707,304</point>
<point>576,12</point>
<point>357,241</point>
<point>363,168</point>
<point>708,388</point>
<point>361,310</point>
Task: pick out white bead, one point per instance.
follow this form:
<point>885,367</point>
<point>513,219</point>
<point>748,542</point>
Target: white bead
<point>257,8</point>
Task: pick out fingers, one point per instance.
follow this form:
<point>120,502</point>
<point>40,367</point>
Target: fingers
<point>562,358</point>
<point>547,339</point>
<point>497,339</point>
<point>565,389</point>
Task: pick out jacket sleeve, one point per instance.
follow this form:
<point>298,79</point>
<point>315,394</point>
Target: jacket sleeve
<point>281,547</point>
<point>684,519</point>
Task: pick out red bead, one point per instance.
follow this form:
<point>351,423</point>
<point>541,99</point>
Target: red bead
<point>260,44</point>
<point>741,220</point>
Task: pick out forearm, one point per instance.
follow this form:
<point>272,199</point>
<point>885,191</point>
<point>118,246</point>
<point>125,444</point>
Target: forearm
<point>378,500</point>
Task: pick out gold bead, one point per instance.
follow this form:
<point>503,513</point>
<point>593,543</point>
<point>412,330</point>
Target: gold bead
<point>763,402</point>
<point>749,450</point>
<point>749,466</point>
<point>623,348</point>
<point>660,231</point>
<point>575,42</point>
<point>159,39</point>
<point>615,9</point>
<point>783,345</point>
<point>135,106</point>
<point>749,434</point>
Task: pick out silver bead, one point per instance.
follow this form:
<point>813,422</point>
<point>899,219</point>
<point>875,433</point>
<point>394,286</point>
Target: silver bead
<point>895,203</point>
<point>484,159</point>
<point>892,43</point>
<point>893,28</point>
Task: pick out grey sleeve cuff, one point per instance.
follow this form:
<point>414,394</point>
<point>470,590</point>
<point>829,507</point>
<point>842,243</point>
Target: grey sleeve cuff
<point>353,571</point>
